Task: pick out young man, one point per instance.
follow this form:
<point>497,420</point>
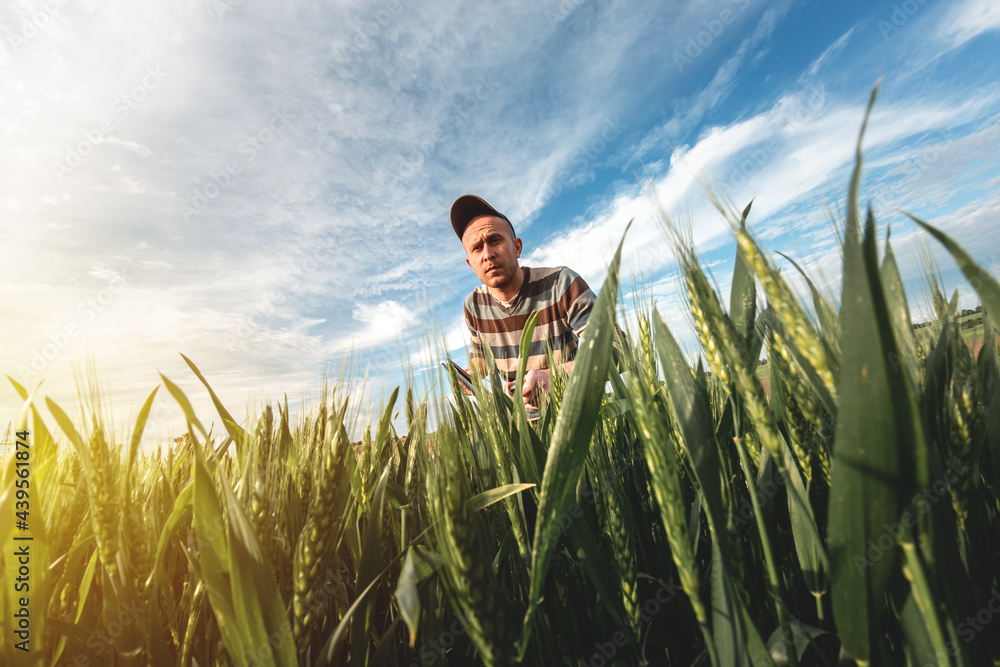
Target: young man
<point>497,311</point>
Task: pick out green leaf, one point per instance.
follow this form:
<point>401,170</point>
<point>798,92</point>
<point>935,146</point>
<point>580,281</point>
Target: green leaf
<point>182,509</point>
<point>66,424</point>
<point>336,639</point>
<point>879,450</point>
<point>571,435</point>
<point>899,315</point>
<point>487,498</point>
<point>727,620</point>
<point>255,595</point>
<point>808,546</point>
<point>866,465</point>
<point>383,426</point>
<point>185,404</point>
<point>588,551</point>
<point>133,448</point>
<point>615,408</point>
<point>690,402</point>
<point>524,351</point>
<point>980,279</point>
<point>371,557</point>
<point>416,568</point>
<point>990,387</point>
<point>213,558</point>
<point>236,432</point>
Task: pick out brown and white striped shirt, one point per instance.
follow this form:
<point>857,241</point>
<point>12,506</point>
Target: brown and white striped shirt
<point>564,300</point>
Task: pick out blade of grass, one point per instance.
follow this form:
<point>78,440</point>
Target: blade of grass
<point>487,498</point>
<point>254,591</point>
<point>899,314</point>
<point>878,437</point>
<point>213,558</point>
<point>236,432</point>
<point>571,435</point>
<point>367,569</point>
<point>690,403</point>
<point>980,279</point>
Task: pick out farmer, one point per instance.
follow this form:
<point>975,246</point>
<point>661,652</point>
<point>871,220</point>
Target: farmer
<point>497,311</point>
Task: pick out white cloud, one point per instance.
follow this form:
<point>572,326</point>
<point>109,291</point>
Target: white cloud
<point>968,19</point>
<point>829,53</point>
<point>323,234</point>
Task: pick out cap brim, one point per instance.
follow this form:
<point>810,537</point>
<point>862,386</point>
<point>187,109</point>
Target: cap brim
<point>468,207</point>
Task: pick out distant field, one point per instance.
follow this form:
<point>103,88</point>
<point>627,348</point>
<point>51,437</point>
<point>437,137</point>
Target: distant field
<point>972,333</point>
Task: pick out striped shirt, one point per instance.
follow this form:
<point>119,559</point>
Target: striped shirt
<point>564,301</point>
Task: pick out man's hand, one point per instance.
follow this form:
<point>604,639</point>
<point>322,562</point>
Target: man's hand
<point>535,383</point>
<point>468,392</point>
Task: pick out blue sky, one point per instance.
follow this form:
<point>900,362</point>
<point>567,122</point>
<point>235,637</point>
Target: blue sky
<point>264,187</point>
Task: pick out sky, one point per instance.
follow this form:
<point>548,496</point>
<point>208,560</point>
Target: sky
<point>264,187</point>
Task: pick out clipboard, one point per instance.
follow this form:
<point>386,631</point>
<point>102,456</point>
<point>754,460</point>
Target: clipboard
<point>466,381</point>
<point>463,376</point>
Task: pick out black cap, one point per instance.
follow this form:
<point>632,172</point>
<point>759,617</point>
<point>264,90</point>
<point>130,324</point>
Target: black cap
<point>468,207</point>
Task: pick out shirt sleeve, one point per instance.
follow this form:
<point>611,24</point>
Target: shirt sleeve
<point>577,300</point>
<point>476,350</point>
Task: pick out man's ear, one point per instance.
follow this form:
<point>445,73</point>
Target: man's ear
<point>468,262</point>
<point>517,246</point>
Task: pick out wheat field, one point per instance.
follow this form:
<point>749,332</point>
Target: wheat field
<point>848,515</point>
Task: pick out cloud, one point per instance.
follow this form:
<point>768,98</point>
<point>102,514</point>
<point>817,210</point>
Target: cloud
<point>277,194</point>
<point>968,19</point>
<point>829,53</point>
<point>691,113</point>
<point>380,323</point>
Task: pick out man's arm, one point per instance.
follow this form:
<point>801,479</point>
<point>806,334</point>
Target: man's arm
<point>477,361</point>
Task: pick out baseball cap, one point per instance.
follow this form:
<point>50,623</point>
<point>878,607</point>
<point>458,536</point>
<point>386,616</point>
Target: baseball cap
<point>468,207</point>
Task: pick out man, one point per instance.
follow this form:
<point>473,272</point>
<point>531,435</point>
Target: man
<point>497,311</point>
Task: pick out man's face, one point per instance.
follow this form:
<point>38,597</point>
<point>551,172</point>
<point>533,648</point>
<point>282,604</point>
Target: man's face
<point>492,250</point>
